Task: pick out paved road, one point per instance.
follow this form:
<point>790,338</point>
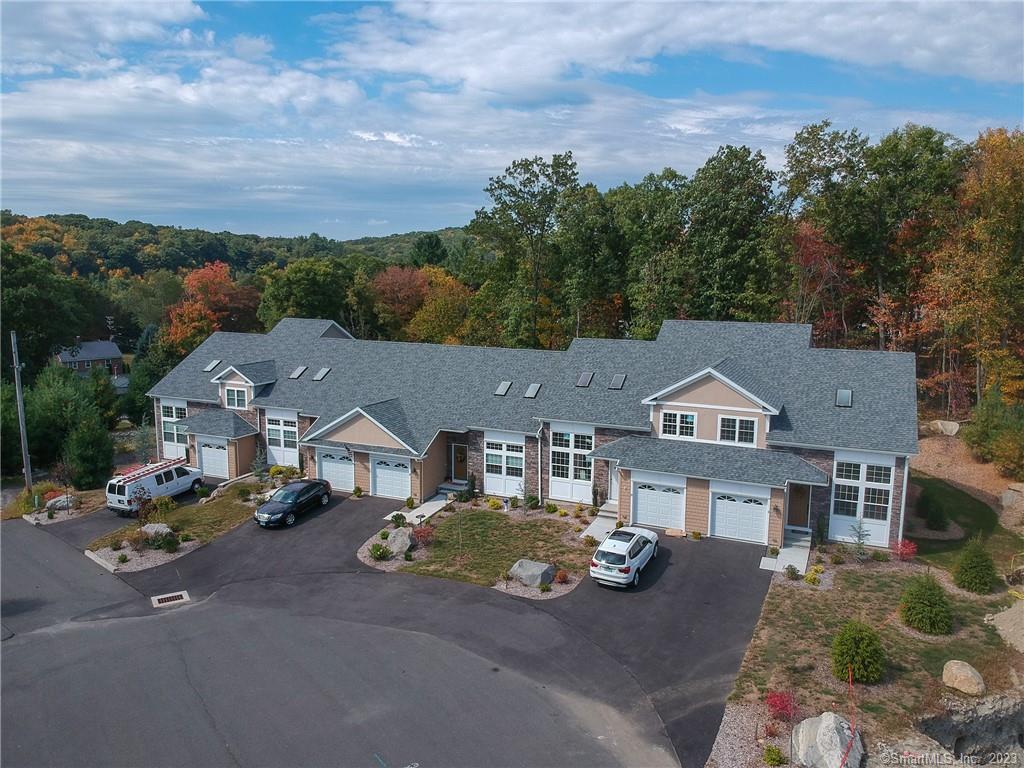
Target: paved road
<point>298,654</point>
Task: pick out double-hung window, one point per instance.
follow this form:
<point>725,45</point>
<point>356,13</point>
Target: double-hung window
<point>282,433</point>
<point>862,490</point>
<point>173,432</point>
<point>681,425</point>
<point>732,429</point>
<point>570,456</point>
<point>234,398</point>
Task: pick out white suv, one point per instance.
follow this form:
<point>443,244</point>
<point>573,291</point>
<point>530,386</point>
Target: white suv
<point>622,555</point>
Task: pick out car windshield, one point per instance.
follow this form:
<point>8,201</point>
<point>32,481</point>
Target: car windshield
<point>610,558</point>
<point>285,495</point>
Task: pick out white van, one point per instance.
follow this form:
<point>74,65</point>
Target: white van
<point>165,478</point>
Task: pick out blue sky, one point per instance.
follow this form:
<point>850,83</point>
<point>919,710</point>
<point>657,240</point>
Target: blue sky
<point>366,119</point>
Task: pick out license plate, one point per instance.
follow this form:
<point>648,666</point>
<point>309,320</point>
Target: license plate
<point>607,568</point>
<point>263,523</point>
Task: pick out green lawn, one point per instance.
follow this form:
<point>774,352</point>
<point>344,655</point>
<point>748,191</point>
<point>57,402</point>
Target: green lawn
<point>974,517</point>
<point>478,546</point>
<point>202,521</point>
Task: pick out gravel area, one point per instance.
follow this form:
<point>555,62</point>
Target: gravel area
<point>59,516</point>
<point>825,579</point>
<point>395,563</point>
<point>147,558</point>
<point>513,587</point>
<point>1010,625</point>
<point>741,737</point>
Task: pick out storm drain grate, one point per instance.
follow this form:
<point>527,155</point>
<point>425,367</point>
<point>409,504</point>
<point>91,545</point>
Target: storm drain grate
<point>171,598</point>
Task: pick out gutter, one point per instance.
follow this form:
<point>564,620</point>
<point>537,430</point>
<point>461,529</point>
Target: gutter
<point>540,453</point>
<point>903,498</point>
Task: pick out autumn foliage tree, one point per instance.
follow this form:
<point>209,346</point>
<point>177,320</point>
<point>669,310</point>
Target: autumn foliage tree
<point>212,301</point>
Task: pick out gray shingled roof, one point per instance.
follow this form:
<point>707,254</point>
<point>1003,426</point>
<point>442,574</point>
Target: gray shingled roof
<point>218,422</point>
<point>263,372</point>
<point>420,388</point>
<point>360,447</point>
<point>711,461</point>
<point>90,350</point>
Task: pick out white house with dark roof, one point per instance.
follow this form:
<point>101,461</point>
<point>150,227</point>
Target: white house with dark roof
<point>736,430</point>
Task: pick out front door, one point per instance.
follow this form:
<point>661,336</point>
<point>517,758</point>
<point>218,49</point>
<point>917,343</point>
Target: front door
<point>798,512</point>
<point>460,462</point>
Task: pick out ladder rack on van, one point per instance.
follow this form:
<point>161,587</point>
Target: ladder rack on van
<point>152,469</point>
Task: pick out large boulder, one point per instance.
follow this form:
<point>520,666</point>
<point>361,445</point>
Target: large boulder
<point>821,742</point>
<point>61,503</point>
<point>399,541</point>
<point>962,677</point>
<point>151,530</point>
<point>942,427</point>
<point>531,573</point>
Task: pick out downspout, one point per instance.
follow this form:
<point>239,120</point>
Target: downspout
<point>903,497</point>
<point>540,458</point>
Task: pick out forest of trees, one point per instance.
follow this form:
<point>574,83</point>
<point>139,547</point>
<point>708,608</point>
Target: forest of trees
<point>914,242</point>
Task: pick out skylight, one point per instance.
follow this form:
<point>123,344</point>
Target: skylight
<point>532,390</point>
<point>213,364</point>
<point>503,388</point>
<point>844,398</point>
<point>585,378</point>
<point>321,374</point>
<point>617,381</point>
<point>297,372</point>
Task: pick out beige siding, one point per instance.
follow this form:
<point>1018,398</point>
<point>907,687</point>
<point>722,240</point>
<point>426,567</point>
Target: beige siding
<point>698,503</point>
<point>710,391</point>
<point>707,421</point>
<point>625,495</point>
<point>362,470</point>
<point>363,431</point>
<point>232,459</point>
<point>433,469</point>
<point>776,517</point>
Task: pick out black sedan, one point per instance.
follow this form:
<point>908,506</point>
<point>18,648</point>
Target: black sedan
<point>290,501</point>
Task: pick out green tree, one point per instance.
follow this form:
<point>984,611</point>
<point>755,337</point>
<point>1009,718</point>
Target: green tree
<point>150,365</point>
<point>520,224</point>
<point>428,249</point>
<point>104,396</point>
<point>56,403</point>
<point>89,453</point>
<point>10,444</point>
<point>305,288</point>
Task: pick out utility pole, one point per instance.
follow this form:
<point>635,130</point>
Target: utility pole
<point>19,396</point>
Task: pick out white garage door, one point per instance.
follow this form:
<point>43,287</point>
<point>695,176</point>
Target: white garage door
<point>659,505</point>
<point>338,470</point>
<point>214,458</point>
<point>739,517</point>
<point>391,478</point>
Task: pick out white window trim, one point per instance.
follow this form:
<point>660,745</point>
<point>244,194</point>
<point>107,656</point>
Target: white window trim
<point>737,440</point>
<point>678,423</point>
<point>504,451</point>
<point>573,451</point>
<point>245,397</point>
<point>278,424</point>
<point>175,406</point>
<point>862,484</point>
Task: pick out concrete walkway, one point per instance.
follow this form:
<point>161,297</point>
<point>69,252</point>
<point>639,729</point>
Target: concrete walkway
<point>423,512</point>
<point>600,528</point>
<point>796,551</point>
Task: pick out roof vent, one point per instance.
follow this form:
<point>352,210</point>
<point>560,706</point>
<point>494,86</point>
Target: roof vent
<point>585,378</point>
<point>503,388</point>
<point>321,374</point>
<point>844,398</point>
<point>297,372</point>
<point>532,390</point>
<point>617,381</point>
<point>213,364</point>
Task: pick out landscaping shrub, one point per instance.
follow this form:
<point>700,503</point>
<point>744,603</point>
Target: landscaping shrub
<point>550,508</point>
<point>513,501</point>
<point>792,572</point>
<point>781,705</point>
<point>837,559</point>
<point>410,503</point>
<point>906,550</point>
<point>578,528</point>
<point>202,492</point>
<point>380,551</point>
<point>423,534</point>
<point>471,486</point>
<point>880,556</point>
<point>408,555</point>
<point>398,520</point>
<point>817,568</point>
<point>532,502</point>
<point>545,587</point>
<point>975,571</point>
<point>357,491</point>
<point>773,756</point>
<point>1015,577</point>
<point>925,607</point>
<point>812,578</point>
<point>136,540</point>
<point>494,504</point>
<point>51,495</point>
<point>117,545</point>
<point>163,506</point>
<point>49,514</point>
<point>384,535</point>
<point>590,541</point>
<point>1008,453</point>
<point>244,493</point>
<point>859,647</point>
<point>934,514</point>
<point>186,537</point>
<point>122,558</point>
<point>169,542</point>
<point>696,535</point>
<point>773,551</point>
<point>563,513</point>
<point>819,559</point>
<point>561,576</point>
<point>618,524</point>
<point>996,433</point>
<point>89,453</point>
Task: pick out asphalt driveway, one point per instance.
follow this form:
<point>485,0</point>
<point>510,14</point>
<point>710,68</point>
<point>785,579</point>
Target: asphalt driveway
<point>599,677</point>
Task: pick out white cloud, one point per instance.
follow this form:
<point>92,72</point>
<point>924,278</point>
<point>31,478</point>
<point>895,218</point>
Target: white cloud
<point>252,46</point>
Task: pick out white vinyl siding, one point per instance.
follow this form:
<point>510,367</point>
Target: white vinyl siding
<point>283,438</point>
<point>173,436</point>
<point>503,463</point>
<point>862,494</point>
<point>570,467</point>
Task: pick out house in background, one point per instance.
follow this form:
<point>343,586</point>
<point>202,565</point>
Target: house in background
<point>737,430</point>
<point>86,355</point>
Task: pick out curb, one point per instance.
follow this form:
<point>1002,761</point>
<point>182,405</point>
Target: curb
<point>97,559</point>
<point>28,519</point>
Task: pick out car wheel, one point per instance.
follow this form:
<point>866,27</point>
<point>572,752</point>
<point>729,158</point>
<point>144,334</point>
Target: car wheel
<point>324,500</point>
<point>636,579</point>
<point>289,519</point>
<point>196,485</point>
